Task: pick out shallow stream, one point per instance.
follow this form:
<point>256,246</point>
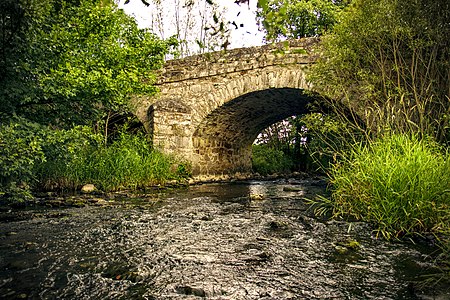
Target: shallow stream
<point>248,240</point>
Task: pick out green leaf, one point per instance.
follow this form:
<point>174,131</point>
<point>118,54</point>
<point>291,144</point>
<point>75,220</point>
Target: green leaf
<point>263,4</point>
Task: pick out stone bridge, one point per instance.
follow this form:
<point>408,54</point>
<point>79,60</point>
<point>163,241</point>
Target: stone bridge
<point>211,107</point>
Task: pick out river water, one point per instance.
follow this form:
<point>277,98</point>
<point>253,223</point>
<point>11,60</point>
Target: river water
<point>248,240</point>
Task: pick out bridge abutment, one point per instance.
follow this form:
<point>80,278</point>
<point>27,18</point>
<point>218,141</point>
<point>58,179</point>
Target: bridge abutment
<point>170,127</point>
<point>216,157</point>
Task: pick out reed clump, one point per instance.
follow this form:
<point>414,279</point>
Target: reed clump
<point>398,182</point>
<point>129,162</point>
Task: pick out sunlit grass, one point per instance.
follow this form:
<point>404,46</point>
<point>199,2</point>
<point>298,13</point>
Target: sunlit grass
<point>399,183</point>
<point>127,163</point>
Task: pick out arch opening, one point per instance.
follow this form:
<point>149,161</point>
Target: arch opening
<point>282,147</point>
<point>222,143</point>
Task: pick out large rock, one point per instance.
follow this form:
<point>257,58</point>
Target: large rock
<point>88,188</point>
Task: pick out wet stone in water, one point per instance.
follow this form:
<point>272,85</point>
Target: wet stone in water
<point>187,290</point>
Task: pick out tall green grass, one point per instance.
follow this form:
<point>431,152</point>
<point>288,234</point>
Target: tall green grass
<point>399,183</point>
<point>128,163</point>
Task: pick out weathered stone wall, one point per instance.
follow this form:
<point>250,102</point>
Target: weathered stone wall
<point>238,60</point>
<point>211,107</point>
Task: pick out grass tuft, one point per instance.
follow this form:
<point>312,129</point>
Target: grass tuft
<point>399,182</point>
<point>128,163</point>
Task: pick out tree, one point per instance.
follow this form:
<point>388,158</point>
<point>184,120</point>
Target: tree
<point>283,19</point>
<point>68,63</point>
<point>62,64</point>
<point>198,25</point>
<point>18,24</point>
<point>388,63</point>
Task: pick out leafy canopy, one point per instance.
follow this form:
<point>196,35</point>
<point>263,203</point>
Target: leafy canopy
<point>283,19</point>
<point>388,63</point>
<point>70,62</point>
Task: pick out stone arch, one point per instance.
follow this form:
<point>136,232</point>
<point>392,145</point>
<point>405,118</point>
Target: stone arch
<point>222,141</point>
<point>216,92</point>
<point>211,107</point>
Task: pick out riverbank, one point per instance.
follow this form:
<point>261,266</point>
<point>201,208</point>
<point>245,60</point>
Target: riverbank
<point>89,194</point>
<point>200,179</point>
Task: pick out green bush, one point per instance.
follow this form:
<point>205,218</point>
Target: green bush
<point>386,65</point>
<point>399,183</point>
<point>65,151</point>
<point>21,150</point>
<point>35,157</point>
<point>129,162</point>
<point>267,160</point>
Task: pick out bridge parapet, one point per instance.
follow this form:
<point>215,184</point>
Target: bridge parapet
<point>238,60</point>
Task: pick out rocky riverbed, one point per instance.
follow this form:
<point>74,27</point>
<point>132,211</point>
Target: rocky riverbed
<point>241,240</point>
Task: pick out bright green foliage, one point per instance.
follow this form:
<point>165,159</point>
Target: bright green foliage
<point>63,64</point>
<point>21,149</point>
<point>267,160</point>
<point>63,149</point>
<point>311,141</point>
<point>399,183</point>
<point>387,62</point>
<point>284,137</point>
<point>70,63</point>
<point>296,19</point>
<point>129,162</point>
<point>326,138</point>
<point>36,157</point>
<point>18,32</point>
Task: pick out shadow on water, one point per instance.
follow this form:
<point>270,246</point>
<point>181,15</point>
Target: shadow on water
<point>248,240</point>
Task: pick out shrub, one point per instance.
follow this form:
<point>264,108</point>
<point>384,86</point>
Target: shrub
<point>65,151</point>
<point>129,162</point>
<point>21,150</point>
<point>267,160</point>
<point>398,182</point>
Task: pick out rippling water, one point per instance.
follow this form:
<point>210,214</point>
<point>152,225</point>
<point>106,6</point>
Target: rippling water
<point>253,240</point>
